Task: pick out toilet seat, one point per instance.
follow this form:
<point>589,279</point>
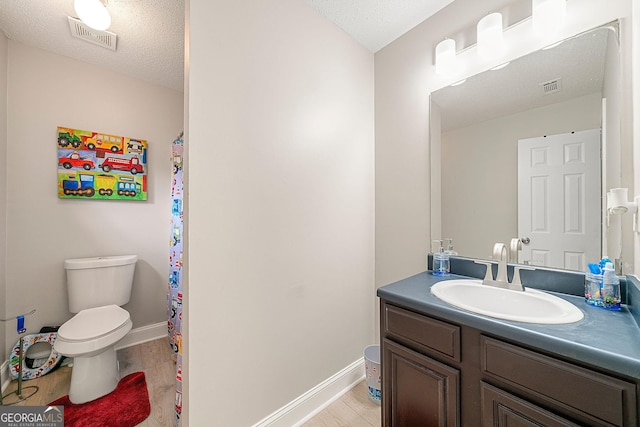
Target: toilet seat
<point>27,341</point>
<point>93,323</point>
<point>93,330</point>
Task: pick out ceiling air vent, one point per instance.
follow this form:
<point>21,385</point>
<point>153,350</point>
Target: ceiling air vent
<point>81,31</point>
<point>552,86</point>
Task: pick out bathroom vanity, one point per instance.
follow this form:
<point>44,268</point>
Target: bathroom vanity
<point>443,366</point>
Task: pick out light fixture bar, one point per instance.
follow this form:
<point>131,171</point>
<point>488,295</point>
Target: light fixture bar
<point>548,16</point>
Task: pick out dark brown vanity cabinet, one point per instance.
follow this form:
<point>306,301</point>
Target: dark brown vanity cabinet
<point>435,373</point>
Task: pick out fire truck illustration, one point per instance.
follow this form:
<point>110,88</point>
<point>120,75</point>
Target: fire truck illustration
<point>132,165</point>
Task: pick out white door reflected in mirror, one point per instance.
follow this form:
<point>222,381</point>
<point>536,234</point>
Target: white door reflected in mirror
<point>559,199</point>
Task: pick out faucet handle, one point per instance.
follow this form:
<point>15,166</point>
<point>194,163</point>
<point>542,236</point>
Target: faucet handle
<point>516,274</point>
<point>489,273</point>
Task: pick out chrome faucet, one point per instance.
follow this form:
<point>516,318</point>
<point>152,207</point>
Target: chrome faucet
<point>501,280</point>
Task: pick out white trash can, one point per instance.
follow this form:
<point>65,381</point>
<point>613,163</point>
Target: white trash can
<point>372,372</point>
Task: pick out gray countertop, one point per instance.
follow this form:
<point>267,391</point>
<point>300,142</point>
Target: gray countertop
<point>606,339</point>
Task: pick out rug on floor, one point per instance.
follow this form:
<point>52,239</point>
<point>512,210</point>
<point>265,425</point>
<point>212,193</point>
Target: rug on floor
<point>126,406</point>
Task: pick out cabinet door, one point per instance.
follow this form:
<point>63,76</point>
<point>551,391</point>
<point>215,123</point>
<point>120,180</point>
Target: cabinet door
<point>502,409</point>
<point>417,391</point>
<point>589,397</point>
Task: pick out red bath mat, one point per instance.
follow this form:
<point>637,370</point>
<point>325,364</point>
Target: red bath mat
<point>126,406</point>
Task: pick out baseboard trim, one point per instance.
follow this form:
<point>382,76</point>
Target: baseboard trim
<point>134,337</point>
<point>143,334</point>
<point>315,400</point>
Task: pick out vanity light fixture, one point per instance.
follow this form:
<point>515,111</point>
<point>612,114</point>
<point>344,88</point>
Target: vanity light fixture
<point>490,36</point>
<point>94,13</point>
<point>446,60</point>
<point>618,204</point>
<point>548,16</point>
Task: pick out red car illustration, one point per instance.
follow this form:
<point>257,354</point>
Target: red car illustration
<point>74,160</point>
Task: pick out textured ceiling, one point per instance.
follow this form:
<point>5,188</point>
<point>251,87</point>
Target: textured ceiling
<point>376,23</point>
<point>579,62</point>
<point>150,44</point>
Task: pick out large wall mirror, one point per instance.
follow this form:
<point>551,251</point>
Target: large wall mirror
<point>527,152</point>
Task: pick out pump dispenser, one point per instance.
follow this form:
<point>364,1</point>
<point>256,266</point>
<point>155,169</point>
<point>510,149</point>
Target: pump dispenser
<point>441,263</point>
<point>610,293</point>
<point>450,250</point>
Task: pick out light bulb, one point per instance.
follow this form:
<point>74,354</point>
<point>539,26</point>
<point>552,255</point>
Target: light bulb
<point>548,16</point>
<point>446,61</point>
<point>490,40</point>
<point>93,13</point>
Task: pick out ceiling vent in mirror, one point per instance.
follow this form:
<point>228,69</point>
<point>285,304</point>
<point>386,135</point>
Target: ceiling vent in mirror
<point>82,31</point>
<point>552,86</point>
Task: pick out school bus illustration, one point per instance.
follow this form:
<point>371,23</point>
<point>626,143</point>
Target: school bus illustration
<point>105,142</point>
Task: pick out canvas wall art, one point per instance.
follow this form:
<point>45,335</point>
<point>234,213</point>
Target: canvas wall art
<point>94,165</point>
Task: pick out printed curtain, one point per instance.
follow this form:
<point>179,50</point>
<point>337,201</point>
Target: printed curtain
<point>175,270</point>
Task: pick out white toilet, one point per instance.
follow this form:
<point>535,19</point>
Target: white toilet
<point>97,287</point>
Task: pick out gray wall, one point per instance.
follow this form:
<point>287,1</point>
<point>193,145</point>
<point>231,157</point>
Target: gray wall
<point>280,258</point>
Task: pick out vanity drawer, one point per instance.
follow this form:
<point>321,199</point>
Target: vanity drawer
<point>421,333</point>
<point>591,396</point>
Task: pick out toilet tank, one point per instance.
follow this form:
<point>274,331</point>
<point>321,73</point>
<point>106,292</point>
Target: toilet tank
<point>99,281</point>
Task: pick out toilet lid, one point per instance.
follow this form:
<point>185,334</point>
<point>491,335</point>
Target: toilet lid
<point>93,323</point>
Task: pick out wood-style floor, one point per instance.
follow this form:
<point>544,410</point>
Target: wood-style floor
<point>154,358</point>
<point>352,409</point>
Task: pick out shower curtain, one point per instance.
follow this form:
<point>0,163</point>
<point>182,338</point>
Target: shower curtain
<point>174,295</point>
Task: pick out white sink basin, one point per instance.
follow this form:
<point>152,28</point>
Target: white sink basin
<point>530,306</point>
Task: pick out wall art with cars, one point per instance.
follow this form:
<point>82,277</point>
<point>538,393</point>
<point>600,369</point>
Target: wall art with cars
<point>94,165</point>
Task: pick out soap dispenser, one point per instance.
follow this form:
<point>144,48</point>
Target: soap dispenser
<point>450,250</point>
<point>610,293</point>
<point>441,263</point>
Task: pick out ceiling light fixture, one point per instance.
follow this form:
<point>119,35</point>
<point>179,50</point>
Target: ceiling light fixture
<point>548,16</point>
<point>446,61</point>
<point>93,13</point>
<point>490,37</point>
